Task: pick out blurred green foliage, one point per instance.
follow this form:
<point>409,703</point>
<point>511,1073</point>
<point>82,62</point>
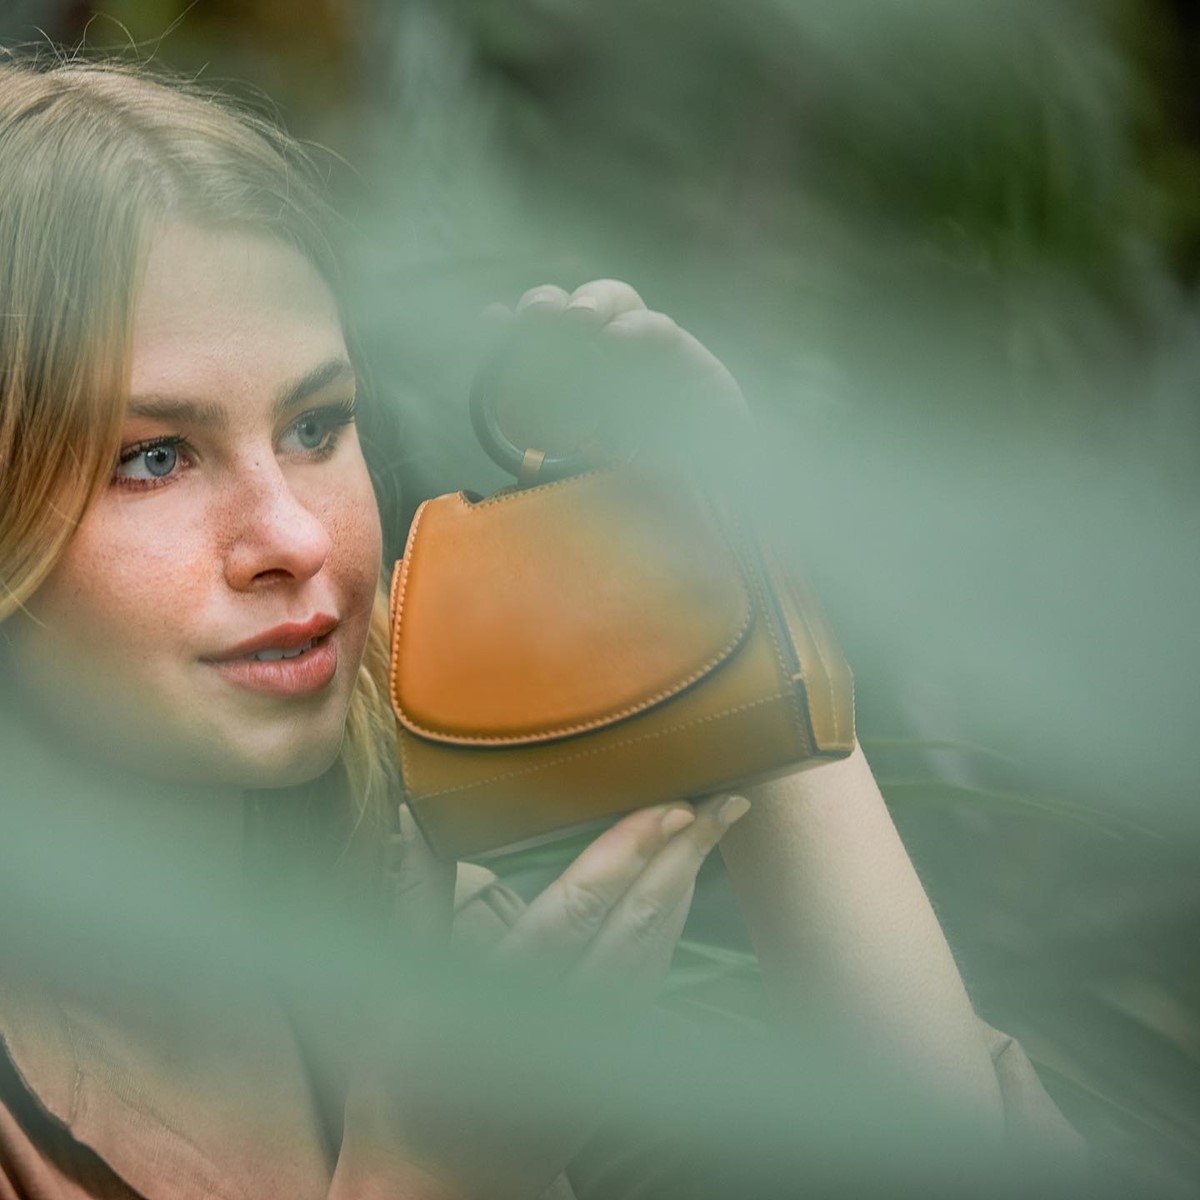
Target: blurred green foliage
<point>950,250</point>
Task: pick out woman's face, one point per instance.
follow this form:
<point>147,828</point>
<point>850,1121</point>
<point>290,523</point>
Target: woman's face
<point>208,619</point>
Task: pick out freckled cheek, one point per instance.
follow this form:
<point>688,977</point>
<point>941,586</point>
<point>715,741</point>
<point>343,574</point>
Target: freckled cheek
<point>139,598</point>
<point>351,517</point>
<point>138,604</point>
<point>128,592</point>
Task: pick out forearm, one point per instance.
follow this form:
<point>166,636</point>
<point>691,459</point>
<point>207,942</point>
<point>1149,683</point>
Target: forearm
<point>845,933</point>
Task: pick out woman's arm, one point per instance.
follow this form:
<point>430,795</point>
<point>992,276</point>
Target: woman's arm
<point>846,936</point>
<point>847,941</point>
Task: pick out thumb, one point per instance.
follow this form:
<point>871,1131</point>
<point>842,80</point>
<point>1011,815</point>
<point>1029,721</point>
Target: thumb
<point>422,887</point>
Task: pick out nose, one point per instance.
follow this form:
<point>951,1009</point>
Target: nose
<point>275,537</point>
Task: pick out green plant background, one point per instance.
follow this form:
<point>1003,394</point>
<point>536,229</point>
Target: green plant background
<point>950,250</point>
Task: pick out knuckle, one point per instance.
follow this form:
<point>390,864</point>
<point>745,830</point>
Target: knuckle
<point>543,293</point>
<point>659,324</point>
<point>606,285</point>
<point>624,290</point>
<point>642,322</point>
<point>646,917</point>
<point>584,906</point>
<point>700,845</point>
<point>700,835</point>
<point>643,839</point>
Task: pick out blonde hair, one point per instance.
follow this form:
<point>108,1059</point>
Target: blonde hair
<point>93,158</point>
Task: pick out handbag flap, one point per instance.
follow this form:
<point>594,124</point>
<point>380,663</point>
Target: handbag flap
<point>558,609</point>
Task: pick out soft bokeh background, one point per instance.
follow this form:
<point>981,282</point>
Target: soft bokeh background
<point>950,249</point>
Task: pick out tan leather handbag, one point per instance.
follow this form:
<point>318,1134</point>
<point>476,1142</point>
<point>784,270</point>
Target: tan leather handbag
<point>566,652</point>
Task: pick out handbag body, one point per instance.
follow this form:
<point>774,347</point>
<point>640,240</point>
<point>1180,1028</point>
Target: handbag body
<point>567,652</point>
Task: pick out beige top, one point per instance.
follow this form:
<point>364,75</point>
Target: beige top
<point>86,1110</point>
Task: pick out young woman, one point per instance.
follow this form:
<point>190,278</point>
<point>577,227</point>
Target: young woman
<point>194,629</point>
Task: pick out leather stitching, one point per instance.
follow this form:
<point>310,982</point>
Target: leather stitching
<point>594,750</point>
<point>396,599</point>
<point>399,583</point>
<point>522,493</point>
<point>397,605</point>
<point>583,726</point>
<point>798,722</point>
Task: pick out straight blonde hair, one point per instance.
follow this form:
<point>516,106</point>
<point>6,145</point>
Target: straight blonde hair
<point>94,158</point>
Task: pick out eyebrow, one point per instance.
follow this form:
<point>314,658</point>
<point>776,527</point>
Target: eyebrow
<point>195,412</point>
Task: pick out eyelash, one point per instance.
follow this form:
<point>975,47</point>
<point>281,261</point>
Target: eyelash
<point>335,417</point>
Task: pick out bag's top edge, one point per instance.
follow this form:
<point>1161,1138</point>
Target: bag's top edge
<point>578,604</point>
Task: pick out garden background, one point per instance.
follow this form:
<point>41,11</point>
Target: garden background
<point>951,251</point>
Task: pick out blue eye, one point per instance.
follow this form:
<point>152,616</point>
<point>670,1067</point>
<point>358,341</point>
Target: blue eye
<point>147,464</point>
<point>316,433</point>
<point>310,432</point>
<point>161,460</point>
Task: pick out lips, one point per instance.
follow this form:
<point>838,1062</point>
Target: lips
<point>292,660</point>
<point>275,654</point>
<point>289,637</point>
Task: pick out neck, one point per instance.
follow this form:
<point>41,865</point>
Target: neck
<point>128,867</point>
<point>198,829</point>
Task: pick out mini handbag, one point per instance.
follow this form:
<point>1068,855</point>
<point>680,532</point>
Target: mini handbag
<point>570,649</point>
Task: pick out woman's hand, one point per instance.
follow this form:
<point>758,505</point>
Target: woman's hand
<point>604,933</point>
<point>649,384</point>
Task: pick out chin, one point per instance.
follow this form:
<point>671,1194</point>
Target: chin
<point>279,752</point>
<point>287,764</point>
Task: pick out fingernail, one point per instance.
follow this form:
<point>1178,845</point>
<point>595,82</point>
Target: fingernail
<point>734,809</point>
<point>676,819</point>
<point>583,304</point>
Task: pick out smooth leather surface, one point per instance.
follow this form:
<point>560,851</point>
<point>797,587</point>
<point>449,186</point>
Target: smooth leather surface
<point>695,662</point>
<point>540,613</point>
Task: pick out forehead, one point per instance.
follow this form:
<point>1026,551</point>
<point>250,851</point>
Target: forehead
<point>228,313</point>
